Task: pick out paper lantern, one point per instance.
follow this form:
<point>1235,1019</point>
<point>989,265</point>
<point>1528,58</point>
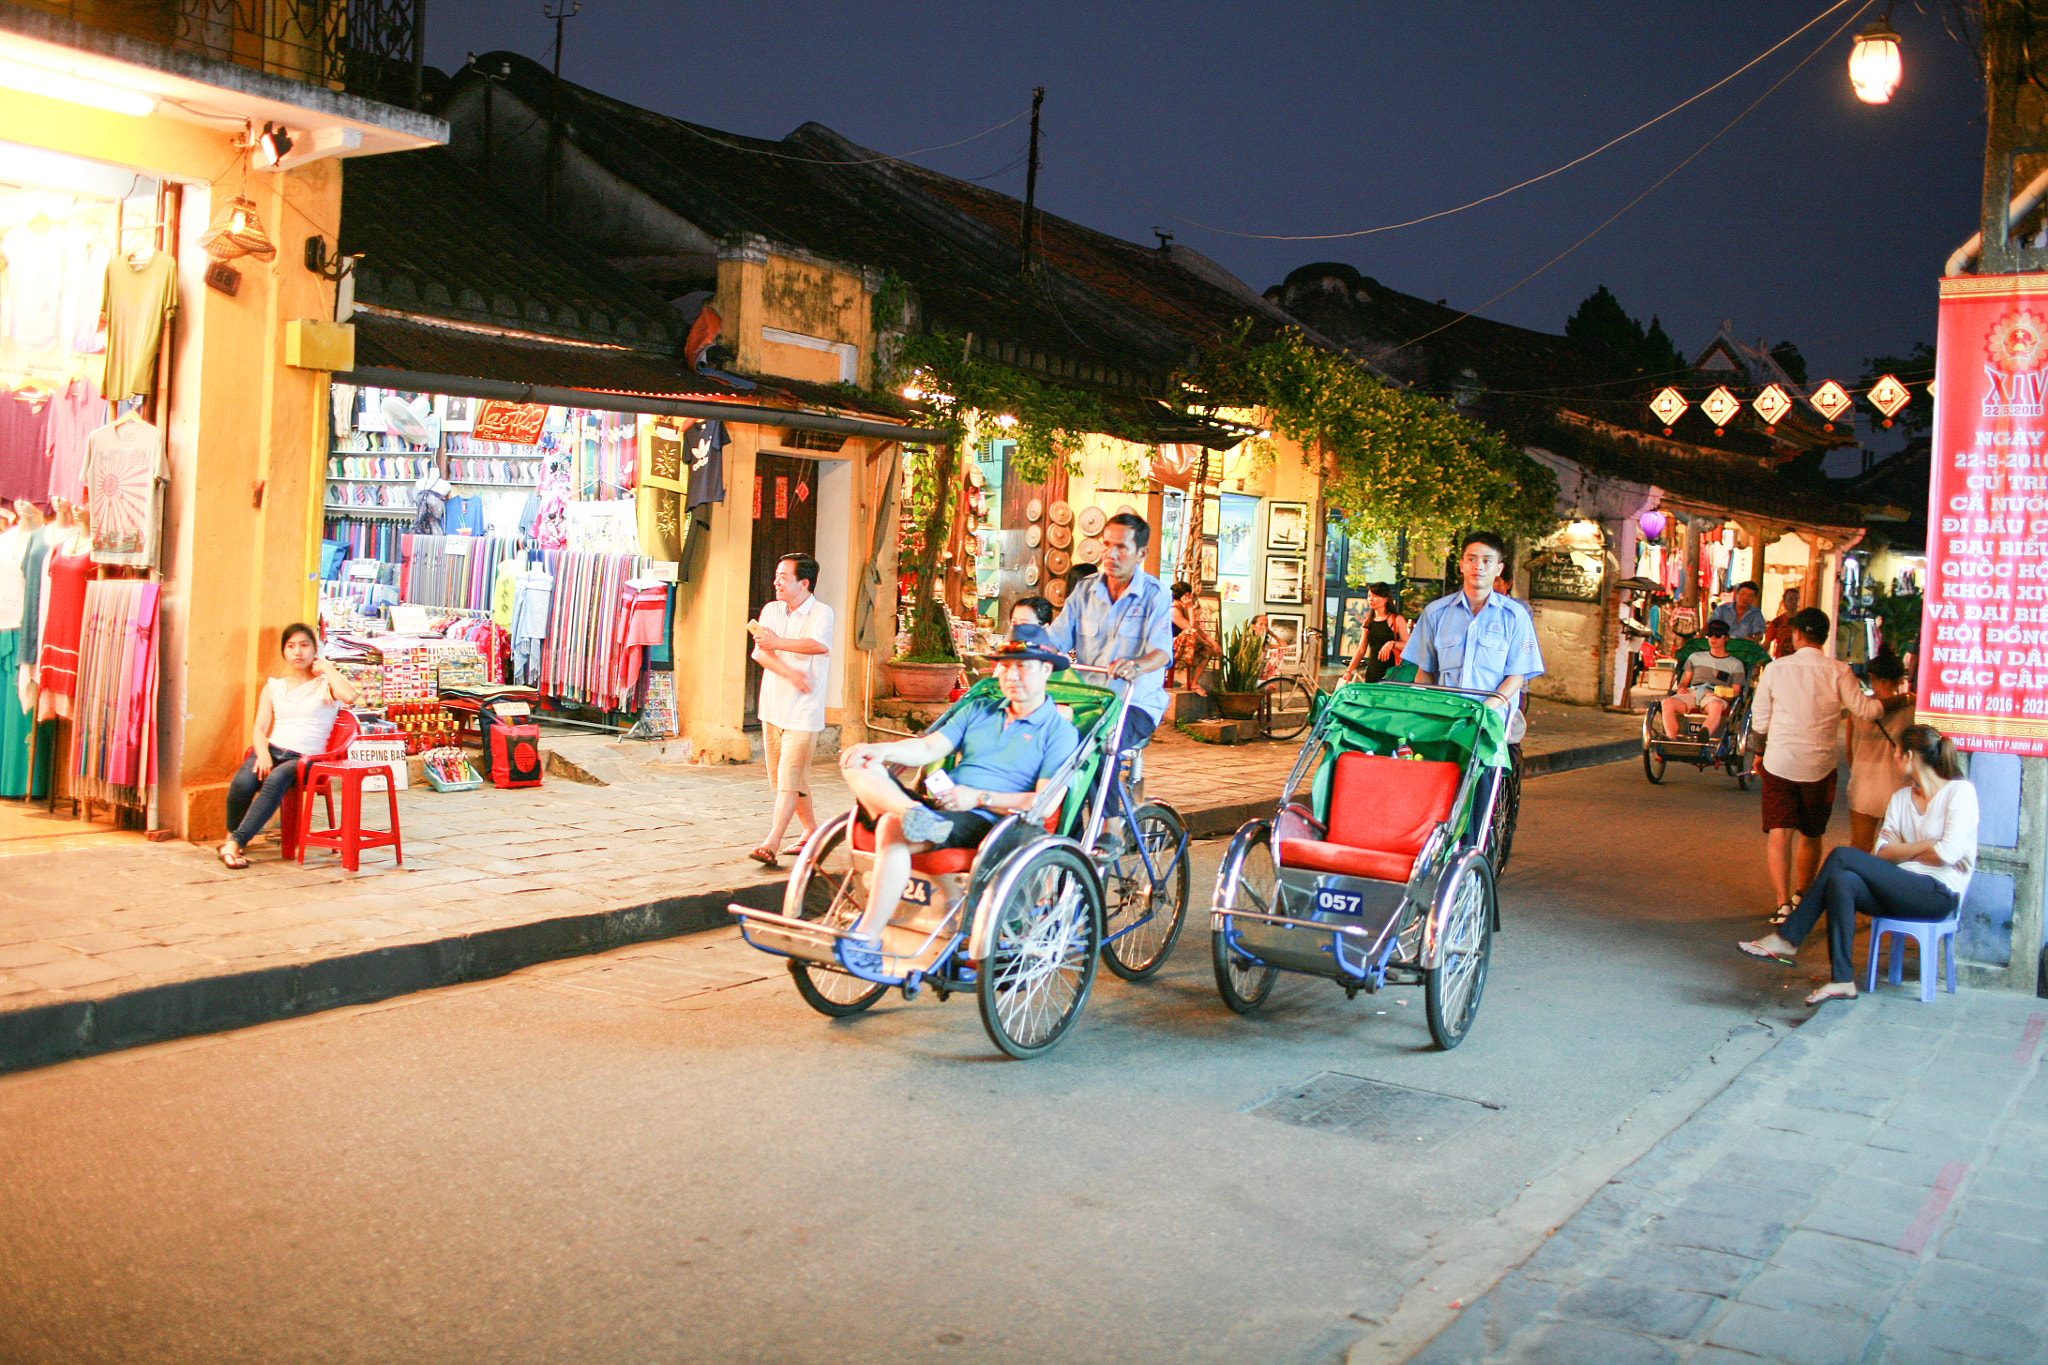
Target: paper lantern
<point>1652,523</point>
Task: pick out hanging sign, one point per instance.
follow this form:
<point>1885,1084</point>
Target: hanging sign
<point>1668,406</point>
<point>1984,623</point>
<point>1772,404</point>
<point>1832,400</point>
<point>519,423</point>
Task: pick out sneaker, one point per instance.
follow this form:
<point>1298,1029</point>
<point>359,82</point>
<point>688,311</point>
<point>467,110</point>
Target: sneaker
<point>923,825</point>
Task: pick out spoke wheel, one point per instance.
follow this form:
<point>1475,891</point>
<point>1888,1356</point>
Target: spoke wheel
<point>1653,763</point>
<point>1284,707</point>
<point>1500,839</point>
<point>1452,988</point>
<point>830,891</point>
<point>1252,882</point>
<point>1041,960</point>
<point>1738,765</point>
<point>1144,916</point>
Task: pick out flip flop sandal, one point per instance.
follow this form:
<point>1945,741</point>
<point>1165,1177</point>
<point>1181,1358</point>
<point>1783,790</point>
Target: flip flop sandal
<point>1749,949</point>
<point>792,848</point>
<point>1783,912</point>
<point>236,864</point>
<point>763,855</point>
<point>1827,993</point>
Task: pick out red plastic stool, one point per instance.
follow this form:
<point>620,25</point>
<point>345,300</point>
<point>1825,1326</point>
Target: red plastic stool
<point>348,836</point>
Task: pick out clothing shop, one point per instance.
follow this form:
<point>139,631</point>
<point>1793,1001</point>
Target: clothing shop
<point>159,513</point>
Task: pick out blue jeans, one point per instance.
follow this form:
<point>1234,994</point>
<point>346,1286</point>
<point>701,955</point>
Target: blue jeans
<point>1851,881</point>
<point>253,800</point>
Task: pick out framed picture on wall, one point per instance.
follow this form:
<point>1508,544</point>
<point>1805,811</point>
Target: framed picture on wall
<point>1209,613</point>
<point>1212,512</point>
<point>1209,561</point>
<point>1285,628</point>
<point>1285,579</point>
<point>457,414</point>
<point>1287,527</point>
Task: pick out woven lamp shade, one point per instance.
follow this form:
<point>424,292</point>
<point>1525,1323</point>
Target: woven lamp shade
<point>237,231</point>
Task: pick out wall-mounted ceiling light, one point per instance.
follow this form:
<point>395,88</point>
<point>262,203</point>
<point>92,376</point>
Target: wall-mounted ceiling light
<point>60,85</point>
<point>272,147</point>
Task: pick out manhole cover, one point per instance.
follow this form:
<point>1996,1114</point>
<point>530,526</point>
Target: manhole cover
<point>1373,1110</point>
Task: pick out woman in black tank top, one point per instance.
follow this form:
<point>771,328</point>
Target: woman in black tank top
<point>1386,631</point>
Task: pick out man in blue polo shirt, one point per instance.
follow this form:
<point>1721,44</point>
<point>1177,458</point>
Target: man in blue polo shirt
<point>1476,638</point>
<point>1007,754</point>
<point>1121,618</point>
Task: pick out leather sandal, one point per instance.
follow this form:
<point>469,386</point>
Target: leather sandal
<point>763,855</point>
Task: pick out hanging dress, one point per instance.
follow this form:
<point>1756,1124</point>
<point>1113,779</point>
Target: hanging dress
<point>63,617</point>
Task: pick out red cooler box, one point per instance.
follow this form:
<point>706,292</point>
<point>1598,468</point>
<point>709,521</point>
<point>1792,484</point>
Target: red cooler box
<point>515,755</point>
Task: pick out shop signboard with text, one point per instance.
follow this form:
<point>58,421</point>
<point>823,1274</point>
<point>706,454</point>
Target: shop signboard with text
<point>1984,628</point>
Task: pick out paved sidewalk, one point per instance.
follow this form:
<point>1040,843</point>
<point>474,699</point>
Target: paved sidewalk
<point>1873,1188</point>
<point>107,940</point>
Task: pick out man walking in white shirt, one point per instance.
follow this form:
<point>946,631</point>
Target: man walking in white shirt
<point>1799,704</point>
<point>793,645</point>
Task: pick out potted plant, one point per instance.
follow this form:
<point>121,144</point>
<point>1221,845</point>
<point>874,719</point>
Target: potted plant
<point>1244,653</point>
<point>930,666</point>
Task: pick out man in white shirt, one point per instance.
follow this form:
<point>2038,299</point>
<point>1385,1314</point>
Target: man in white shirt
<point>793,645</point>
<point>1800,700</point>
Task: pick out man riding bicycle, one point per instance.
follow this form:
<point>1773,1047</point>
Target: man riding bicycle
<point>1121,619</point>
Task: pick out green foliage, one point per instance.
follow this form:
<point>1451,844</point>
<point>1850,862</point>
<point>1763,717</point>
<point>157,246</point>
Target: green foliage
<point>1900,614</point>
<point>1915,370</point>
<point>935,487</point>
<point>1244,652</point>
<point>1618,342</point>
<point>1394,460</point>
<point>1790,361</point>
<point>972,397</point>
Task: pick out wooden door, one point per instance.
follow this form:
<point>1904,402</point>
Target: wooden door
<point>785,522</point>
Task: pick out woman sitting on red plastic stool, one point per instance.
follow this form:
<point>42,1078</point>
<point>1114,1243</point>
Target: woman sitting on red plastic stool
<point>1926,852</point>
<point>293,719</point>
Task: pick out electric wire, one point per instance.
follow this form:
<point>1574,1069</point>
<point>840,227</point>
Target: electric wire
<point>1534,179</point>
<point>1654,187</point>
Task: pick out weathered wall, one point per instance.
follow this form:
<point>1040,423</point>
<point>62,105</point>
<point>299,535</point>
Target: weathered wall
<point>1569,635</point>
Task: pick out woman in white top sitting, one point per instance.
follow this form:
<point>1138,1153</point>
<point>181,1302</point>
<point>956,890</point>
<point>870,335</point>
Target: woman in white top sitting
<point>1926,851</point>
<point>293,719</point>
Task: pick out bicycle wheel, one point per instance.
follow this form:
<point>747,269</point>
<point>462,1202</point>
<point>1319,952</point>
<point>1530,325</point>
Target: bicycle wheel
<point>831,891</point>
<point>1738,764</point>
<point>1653,758</point>
<point>1141,917</point>
<point>1284,707</point>
<point>1452,988</point>
<point>1041,961</point>
<point>1250,881</point>
<point>1500,840</point>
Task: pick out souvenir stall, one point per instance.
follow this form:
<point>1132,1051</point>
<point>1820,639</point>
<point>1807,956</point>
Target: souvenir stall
<point>481,554</point>
<point>86,295</point>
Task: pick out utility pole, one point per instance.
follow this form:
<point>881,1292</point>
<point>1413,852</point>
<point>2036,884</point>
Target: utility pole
<point>1030,185</point>
<point>559,11</point>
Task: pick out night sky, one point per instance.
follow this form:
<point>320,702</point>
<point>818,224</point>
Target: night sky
<point>1814,219</point>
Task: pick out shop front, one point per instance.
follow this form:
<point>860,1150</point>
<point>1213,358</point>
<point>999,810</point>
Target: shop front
<point>158,443</point>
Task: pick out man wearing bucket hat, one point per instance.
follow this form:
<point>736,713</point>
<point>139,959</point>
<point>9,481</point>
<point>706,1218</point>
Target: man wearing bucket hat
<point>1007,754</point>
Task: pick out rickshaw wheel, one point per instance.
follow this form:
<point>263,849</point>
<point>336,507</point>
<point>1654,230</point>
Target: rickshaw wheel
<point>1500,839</point>
<point>1041,961</point>
<point>1653,763</point>
<point>1139,953</point>
<point>829,890</point>
<point>1284,707</point>
<point>1452,988</point>
<point>1244,984</point>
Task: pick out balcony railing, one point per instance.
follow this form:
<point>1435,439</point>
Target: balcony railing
<point>367,47</point>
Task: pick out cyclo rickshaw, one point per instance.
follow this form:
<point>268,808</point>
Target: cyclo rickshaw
<point>1728,745</point>
<point>1379,865</point>
<point>1020,920</point>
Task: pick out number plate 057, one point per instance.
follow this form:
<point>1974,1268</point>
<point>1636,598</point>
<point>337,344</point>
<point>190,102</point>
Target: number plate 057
<point>1338,902</point>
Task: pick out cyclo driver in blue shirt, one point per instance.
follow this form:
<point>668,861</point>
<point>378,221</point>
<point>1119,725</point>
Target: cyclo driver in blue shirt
<point>1121,618</point>
<point>1478,639</point>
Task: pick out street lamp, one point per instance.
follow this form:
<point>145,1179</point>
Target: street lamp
<point>1874,61</point>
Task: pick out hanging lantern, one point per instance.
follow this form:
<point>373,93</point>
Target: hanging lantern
<point>237,231</point>
<point>1888,395</point>
<point>1874,67</point>
<point>1668,407</point>
<point>1832,400</point>
<point>1652,524</point>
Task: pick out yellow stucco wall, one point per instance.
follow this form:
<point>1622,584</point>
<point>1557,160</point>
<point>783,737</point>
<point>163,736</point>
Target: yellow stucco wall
<point>234,564</point>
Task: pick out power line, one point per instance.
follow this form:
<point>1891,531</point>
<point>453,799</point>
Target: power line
<point>1534,179</point>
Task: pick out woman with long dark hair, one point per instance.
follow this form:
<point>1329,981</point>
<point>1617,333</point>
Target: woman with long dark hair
<point>293,718</point>
<point>1386,631</point>
<point>1925,854</point>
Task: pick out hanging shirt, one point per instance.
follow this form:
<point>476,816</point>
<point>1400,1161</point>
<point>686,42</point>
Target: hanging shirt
<point>84,296</point>
<point>13,552</point>
<point>705,443</point>
<point>76,412</point>
<point>139,301</point>
<point>660,496</point>
<point>125,474</point>
<point>501,514</point>
<point>24,445</point>
<point>533,590</point>
<point>504,592</point>
<point>35,280</point>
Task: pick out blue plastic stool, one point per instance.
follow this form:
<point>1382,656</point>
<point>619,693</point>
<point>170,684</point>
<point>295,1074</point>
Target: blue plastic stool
<point>1932,936</point>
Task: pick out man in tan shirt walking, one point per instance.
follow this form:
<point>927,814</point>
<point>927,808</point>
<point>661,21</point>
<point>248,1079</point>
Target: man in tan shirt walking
<point>1800,701</point>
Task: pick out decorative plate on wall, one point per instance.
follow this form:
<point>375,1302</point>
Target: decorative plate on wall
<point>1089,551</point>
<point>1091,521</point>
<point>1031,574</point>
<point>1056,592</point>
<point>1033,510</point>
<point>1033,535</point>
<point>1061,537</point>
<point>1057,562</point>
<point>1060,513</point>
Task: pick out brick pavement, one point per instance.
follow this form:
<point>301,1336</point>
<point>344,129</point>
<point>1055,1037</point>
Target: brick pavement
<point>1873,1188</point>
<point>103,937</point>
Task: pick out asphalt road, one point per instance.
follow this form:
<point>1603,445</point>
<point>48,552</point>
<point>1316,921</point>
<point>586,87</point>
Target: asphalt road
<point>662,1155</point>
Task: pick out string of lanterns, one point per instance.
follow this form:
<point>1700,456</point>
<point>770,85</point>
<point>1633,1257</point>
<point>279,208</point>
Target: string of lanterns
<point>1720,407</point>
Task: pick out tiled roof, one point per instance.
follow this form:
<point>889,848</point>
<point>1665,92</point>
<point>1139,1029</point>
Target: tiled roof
<point>436,240</point>
<point>1097,312</point>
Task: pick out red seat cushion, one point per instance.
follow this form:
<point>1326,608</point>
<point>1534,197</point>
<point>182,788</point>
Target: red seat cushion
<point>1380,814</point>
<point>936,863</point>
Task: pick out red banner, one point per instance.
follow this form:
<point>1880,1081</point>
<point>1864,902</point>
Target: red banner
<point>1984,628</point>
<point>519,423</point>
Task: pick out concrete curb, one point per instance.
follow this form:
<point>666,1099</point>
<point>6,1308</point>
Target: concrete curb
<point>46,1034</point>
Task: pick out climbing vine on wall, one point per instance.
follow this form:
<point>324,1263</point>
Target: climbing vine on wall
<point>984,401</point>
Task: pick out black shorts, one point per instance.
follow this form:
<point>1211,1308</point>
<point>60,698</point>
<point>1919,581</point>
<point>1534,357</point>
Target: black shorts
<point>970,827</point>
<point>1804,806</point>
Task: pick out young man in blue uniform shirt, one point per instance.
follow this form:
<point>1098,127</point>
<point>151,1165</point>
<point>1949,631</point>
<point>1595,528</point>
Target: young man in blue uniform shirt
<point>1476,638</point>
<point>1121,618</point>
